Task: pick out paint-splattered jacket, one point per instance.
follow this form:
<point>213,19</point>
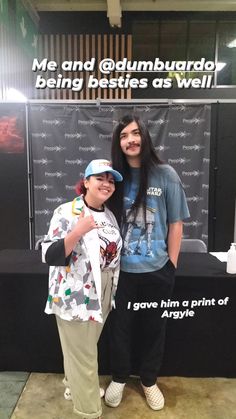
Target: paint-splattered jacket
<point>75,281</point>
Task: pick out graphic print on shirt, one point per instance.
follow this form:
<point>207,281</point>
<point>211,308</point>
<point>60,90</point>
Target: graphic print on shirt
<point>110,244</point>
<point>135,227</point>
<point>108,251</point>
<point>145,247</point>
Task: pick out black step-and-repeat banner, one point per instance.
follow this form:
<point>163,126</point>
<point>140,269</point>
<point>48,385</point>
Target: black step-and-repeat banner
<point>65,137</point>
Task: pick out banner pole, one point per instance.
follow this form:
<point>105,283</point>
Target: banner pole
<point>29,180</point>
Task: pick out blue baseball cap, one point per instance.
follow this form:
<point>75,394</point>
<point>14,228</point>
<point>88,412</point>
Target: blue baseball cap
<point>102,166</point>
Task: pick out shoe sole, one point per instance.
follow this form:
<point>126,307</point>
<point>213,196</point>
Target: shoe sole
<point>111,404</point>
<point>154,407</point>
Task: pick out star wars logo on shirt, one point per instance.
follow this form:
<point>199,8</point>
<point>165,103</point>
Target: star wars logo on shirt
<point>154,191</point>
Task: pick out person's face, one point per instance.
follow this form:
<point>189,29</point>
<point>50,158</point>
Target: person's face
<point>99,188</point>
<point>130,141</point>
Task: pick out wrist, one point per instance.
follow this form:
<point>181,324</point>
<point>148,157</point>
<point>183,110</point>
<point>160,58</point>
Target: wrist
<point>74,235</point>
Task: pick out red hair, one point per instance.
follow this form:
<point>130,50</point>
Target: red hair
<point>80,188</point>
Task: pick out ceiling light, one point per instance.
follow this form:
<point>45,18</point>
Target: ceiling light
<point>15,95</point>
<point>232,44</point>
<point>220,66</point>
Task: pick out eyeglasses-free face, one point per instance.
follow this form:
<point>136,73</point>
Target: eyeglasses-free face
<point>130,142</point>
<point>99,189</point>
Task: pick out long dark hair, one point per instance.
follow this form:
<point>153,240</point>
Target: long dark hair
<point>148,159</point>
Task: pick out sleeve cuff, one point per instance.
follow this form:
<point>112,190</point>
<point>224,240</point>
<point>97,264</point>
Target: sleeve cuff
<point>55,254</point>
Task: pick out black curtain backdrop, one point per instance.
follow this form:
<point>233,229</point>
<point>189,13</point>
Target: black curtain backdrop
<point>64,138</point>
<point>222,197</point>
<point>91,138</point>
<point>14,214</point>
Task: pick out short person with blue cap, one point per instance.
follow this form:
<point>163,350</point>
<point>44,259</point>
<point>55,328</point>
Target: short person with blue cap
<point>82,248</point>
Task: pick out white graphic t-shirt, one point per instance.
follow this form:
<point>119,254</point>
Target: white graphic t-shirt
<point>110,240</point>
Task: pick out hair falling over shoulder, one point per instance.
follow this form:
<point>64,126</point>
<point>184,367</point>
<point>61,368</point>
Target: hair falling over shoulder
<point>149,159</point>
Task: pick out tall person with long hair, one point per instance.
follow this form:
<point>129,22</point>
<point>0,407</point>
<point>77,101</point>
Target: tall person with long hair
<point>150,205</point>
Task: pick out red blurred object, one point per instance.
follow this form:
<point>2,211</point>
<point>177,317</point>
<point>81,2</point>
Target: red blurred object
<point>11,136</point>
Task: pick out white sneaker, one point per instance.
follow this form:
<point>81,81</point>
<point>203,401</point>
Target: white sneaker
<point>67,393</point>
<point>114,393</point>
<point>102,392</point>
<point>154,397</point>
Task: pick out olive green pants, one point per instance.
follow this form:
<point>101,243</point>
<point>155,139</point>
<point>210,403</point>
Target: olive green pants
<point>79,346</point>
